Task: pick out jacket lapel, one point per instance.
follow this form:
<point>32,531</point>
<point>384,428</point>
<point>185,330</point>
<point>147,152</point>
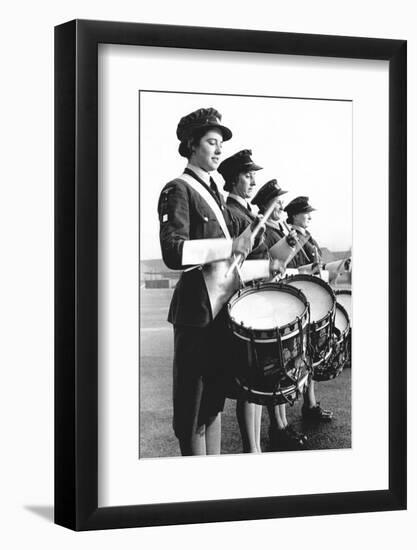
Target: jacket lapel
<point>232,202</point>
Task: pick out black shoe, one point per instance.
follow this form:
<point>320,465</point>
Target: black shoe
<point>295,434</point>
<point>286,440</point>
<point>316,414</point>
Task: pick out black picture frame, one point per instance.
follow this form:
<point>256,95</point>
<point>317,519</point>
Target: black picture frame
<point>76,272</point>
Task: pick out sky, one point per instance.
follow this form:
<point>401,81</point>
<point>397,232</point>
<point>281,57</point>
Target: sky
<point>306,144</point>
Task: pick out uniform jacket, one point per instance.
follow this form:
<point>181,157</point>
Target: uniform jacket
<point>241,218</point>
<point>312,250</point>
<point>185,215</point>
<point>273,234</point>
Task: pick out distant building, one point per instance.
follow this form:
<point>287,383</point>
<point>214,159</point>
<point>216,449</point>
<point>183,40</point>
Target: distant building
<point>154,274</point>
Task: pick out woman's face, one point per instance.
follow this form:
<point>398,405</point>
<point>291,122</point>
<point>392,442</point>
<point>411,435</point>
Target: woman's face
<point>302,220</point>
<point>278,210</point>
<point>244,185</point>
<point>206,154</point>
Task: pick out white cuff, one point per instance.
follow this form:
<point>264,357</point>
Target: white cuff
<point>205,251</point>
<point>282,251</point>
<point>254,269</point>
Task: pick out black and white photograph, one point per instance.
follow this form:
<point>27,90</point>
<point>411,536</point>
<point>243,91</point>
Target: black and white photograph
<point>245,259</point>
<point>226,208</point>
<point>199,202</point>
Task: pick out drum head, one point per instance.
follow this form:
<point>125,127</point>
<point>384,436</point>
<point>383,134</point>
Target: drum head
<point>341,321</point>
<point>344,297</point>
<point>267,309</point>
<point>320,298</point>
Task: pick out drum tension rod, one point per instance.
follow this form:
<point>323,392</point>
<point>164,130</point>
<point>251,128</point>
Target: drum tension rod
<point>253,349</point>
<point>300,333</point>
<point>279,346</point>
<point>280,364</point>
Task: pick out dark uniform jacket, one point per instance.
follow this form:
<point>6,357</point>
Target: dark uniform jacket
<point>185,215</point>
<point>241,219</point>
<point>311,248</point>
<point>273,234</point>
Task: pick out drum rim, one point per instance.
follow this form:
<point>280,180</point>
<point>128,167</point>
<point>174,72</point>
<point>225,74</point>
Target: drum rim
<point>320,282</point>
<point>284,391</point>
<point>239,294</point>
<point>320,361</point>
<point>345,334</point>
<point>345,291</point>
<point>345,313</point>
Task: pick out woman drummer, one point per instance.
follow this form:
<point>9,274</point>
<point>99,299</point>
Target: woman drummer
<point>299,217</point>
<point>281,435</point>
<point>194,235</point>
<point>239,173</point>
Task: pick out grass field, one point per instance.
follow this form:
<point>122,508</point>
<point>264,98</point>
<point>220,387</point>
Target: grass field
<point>156,435</point>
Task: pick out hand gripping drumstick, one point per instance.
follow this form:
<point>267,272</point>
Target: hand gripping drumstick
<point>262,221</point>
<point>298,241</point>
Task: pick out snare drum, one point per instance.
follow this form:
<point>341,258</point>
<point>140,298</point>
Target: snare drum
<point>269,322</point>
<point>322,302</point>
<point>344,297</point>
<point>340,353</point>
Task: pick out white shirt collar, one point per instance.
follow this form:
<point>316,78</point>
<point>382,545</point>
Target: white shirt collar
<point>275,224</point>
<point>240,200</point>
<point>202,174</point>
<point>300,229</point>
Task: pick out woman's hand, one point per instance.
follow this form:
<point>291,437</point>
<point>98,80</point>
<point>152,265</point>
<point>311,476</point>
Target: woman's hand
<point>276,267</point>
<point>292,238</point>
<point>242,245</point>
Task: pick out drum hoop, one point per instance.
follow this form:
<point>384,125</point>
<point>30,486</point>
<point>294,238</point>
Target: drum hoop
<point>269,340</point>
<point>344,291</point>
<point>282,391</point>
<point>323,359</point>
<point>323,284</point>
<point>345,333</point>
<point>241,293</point>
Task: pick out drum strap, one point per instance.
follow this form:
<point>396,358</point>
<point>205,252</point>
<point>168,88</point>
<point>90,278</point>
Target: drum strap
<point>208,198</point>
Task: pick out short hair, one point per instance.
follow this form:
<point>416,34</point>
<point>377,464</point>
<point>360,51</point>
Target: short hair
<point>230,181</point>
<point>186,146</point>
<point>290,218</point>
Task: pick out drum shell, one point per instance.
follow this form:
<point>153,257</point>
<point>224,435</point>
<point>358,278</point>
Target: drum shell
<point>341,292</point>
<point>320,330</point>
<point>269,364</point>
<point>286,393</point>
<point>340,352</point>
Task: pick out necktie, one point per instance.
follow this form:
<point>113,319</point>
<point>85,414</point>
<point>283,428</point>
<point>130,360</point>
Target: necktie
<point>213,187</point>
<point>248,207</point>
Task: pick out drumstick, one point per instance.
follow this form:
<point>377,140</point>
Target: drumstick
<point>301,245</point>
<point>239,274</point>
<point>262,221</point>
